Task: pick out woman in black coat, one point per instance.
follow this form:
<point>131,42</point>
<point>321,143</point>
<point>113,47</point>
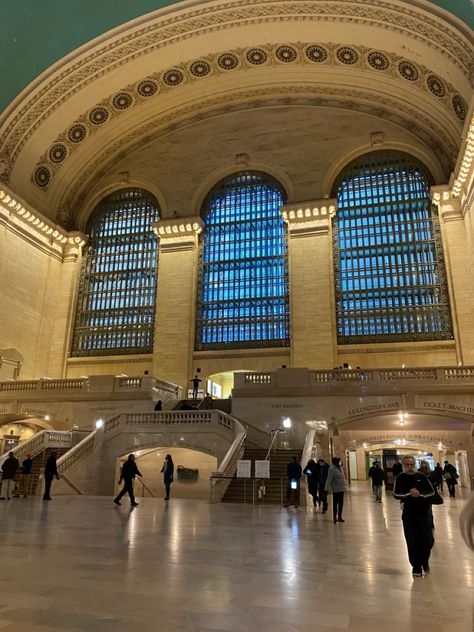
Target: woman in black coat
<point>168,471</point>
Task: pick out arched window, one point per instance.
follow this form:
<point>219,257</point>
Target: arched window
<point>243,277</point>
<point>389,267</point>
<point>116,303</point>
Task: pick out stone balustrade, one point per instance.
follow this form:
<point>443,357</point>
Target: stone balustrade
<point>91,384</point>
<point>277,379</point>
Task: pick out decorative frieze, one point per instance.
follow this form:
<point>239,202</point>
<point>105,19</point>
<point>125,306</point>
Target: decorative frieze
<point>179,233</point>
<point>307,218</point>
<point>449,205</point>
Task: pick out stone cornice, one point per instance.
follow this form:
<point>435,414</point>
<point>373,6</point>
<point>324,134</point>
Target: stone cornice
<point>24,219</point>
<point>307,218</point>
<point>184,20</point>
<point>449,206</point>
<point>179,233</point>
<point>466,164</point>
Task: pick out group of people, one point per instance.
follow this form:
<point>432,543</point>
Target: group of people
<point>130,471</point>
<point>10,468</point>
<point>322,478</point>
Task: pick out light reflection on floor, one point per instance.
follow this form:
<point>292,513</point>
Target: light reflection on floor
<point>81,563</point>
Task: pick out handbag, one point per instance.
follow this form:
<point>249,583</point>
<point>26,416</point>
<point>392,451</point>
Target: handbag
<point>437,499</point>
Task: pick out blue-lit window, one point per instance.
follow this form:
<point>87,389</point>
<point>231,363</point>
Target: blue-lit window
<point>243,278</point>
<point>389,267</point>
<point>116,303</point>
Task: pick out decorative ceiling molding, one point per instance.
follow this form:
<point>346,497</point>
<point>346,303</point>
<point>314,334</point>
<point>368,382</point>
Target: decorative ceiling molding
<point>394,109</point>
<point>378,63</point>
<point>164,28</point>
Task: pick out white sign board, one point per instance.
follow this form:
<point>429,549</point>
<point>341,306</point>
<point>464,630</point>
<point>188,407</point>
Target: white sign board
<point>243,469</point>
<point>262,469</point>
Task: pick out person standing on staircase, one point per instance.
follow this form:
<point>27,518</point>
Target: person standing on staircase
<point>50,471</point>
<point>9,468</point>
<point>127,474</point>
<point>195,381</point>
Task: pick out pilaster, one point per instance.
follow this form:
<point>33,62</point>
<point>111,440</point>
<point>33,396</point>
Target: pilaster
<point>311,283</point>
<point>459,267</point>
<point>176,304</point>
<point>65,303</point>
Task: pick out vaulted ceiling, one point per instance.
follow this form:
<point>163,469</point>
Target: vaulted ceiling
<point>35,35</point>
<point>184,93</point>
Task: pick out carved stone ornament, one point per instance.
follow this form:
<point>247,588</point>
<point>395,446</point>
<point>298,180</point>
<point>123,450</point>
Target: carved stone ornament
<point>161,29</point>
<point>153,87</point>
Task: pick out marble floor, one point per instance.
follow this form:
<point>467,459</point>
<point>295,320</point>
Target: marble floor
<point>81,563</point>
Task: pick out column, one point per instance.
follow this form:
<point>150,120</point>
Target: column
<point>176,298</point>
<point>66,296</point>
<point>313,318</point>
<point>459,271</point>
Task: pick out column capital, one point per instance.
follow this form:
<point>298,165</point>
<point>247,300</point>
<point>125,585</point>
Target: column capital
<point>178,232</point>
<point>307,218</point>
<point>73,247</point>
<point>449,205</point>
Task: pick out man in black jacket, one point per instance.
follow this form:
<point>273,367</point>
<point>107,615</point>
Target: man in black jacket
<point>127,474</point>
<point>377,475</point>
<point>9,468</point>
<point>415,491</point>
<point>294,473</point>
<point>50,471</point>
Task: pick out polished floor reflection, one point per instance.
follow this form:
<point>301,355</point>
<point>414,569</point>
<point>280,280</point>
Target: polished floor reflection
<point>80,563</point>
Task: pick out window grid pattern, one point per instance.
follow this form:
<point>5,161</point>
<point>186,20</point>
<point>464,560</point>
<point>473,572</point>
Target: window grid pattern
<point>116,303</point>
<point>389,266</point>
<point>243,278</point>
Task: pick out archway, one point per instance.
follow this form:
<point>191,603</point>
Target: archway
<point>192,469</point>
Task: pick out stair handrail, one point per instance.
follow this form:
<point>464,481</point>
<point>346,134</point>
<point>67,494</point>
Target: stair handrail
<point>228,464</point>
<point>38,442</point>
<point>275,434</point>
<point>76,453</point>
<point>145,486</point>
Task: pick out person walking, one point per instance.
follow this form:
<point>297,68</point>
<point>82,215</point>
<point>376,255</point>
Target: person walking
<point>50,471</point>
<point>158,406</point>
<point>450,474</point>
<point>168,472</point>
<point>127,475</point>
<point>9,469</point>
<point>336,482</point>
<point>397,468</point>
<point>438,478</point>
<point>415,492</point>
<point>323,469</point>
<point>25,479</point>
<point>293,472</point>
<point>377,475</point>
<point>312,470</point>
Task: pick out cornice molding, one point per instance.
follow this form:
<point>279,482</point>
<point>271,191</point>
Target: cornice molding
<point>167,27</point>
<point>178,234</point>
<point>305,219</point>
<point>23,219</point>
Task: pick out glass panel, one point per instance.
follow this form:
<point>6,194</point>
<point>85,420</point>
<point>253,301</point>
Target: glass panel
<point>389,267</point>
<point>243,280</point>
<point>116,303</point>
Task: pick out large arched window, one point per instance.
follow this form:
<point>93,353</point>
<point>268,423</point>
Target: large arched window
<point>389,268</point>
<point>116,302</point>
<point>243,277</point>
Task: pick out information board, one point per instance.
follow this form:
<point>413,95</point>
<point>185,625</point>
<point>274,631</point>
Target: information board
<point>262,469</point>
<point>243,468</point>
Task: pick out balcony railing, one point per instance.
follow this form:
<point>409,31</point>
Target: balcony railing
<point>438,375</point>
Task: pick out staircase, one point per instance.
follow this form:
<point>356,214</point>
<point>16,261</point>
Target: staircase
<point>240,490</point>
<point>39,462</point>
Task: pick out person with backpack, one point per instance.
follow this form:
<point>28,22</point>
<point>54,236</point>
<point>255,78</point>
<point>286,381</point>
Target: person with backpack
<point>450,475</point>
